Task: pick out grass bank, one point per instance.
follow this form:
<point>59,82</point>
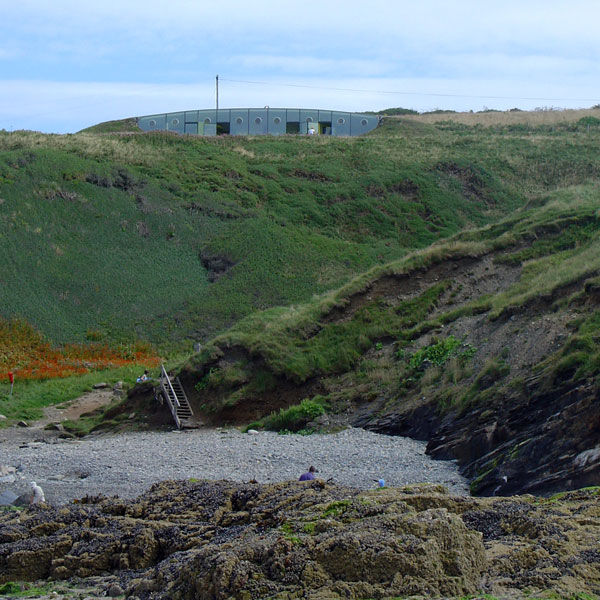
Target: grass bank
<point>171,239</point>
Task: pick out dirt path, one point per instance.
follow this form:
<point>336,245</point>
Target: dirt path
<point>73,409</point>
<point>69,410</point>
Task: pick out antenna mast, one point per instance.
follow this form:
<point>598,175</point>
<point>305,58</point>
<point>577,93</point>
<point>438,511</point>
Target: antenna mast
<point>217,84</point>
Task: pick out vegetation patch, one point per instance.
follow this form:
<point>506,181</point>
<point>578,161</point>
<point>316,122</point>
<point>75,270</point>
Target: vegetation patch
<point>29,397</point>
<point>440,352</point>
<point>274,220</point>
<point>28,355</point>
<point>294,418</point>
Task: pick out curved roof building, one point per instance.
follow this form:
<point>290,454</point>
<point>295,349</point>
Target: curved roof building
<point>261,121</point>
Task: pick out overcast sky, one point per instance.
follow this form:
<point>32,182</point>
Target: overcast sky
<point>69,64</point>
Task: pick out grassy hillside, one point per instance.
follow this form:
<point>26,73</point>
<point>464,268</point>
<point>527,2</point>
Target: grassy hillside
<point>548,248</point>
<point>478,344</point>
<point>169,238</point>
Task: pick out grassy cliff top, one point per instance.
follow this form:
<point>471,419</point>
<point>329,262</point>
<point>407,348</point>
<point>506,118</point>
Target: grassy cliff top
<point>173,239</point>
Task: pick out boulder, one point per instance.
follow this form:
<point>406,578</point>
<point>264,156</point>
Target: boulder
<point>7,497</point>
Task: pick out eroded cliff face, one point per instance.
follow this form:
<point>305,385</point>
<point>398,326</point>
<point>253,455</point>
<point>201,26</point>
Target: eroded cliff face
<point>525,420</point>
<point>521,416</point>
<point>220,540</point>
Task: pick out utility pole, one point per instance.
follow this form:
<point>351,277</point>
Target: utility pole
<point>217,82</point>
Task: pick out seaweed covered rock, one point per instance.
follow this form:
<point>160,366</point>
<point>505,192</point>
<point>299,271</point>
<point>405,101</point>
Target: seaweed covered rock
<point>220,540</point>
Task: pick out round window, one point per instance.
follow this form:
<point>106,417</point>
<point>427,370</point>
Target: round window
<point>175,121</point>
<point>364,122</point>
<point>276,120</point>
<point>207,120</point>
<point>153,123</point>
<point>258,120</point>
<point>239,120</point>
<point>341,121</point>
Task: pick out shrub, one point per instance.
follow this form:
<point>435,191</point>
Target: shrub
<point>440,352</point>
<point>589,122</point>
<point>398,111</point>
<point>295,417</point>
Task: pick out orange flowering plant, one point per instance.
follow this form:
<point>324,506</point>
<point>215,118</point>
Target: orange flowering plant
<point>26,353</point>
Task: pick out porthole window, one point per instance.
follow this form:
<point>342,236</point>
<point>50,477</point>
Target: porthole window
<point>309,119</point>
<point>364,122</point>
<point>341,121</point>
<point>175,121</point>
<point>276,120</point>
<point>153,123</point>
<point>207,120</point>
<point>239,120</point>
<point>258,120</point>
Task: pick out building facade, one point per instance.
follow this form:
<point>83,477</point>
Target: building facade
<point>261,121</point>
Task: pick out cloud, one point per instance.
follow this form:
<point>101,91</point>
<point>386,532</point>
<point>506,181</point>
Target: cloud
<point>9,53</point>
<point>468,23</point>
<point>68,107</point>
<point>520,67</point>
<point>311,65</point>
<point>93,54</point>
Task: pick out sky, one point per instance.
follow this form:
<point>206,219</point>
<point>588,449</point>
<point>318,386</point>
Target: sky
<point>69,64</point>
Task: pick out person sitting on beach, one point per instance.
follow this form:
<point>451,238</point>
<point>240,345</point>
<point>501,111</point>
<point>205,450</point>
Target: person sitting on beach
<point>37,494</point>
<point>309,475</point>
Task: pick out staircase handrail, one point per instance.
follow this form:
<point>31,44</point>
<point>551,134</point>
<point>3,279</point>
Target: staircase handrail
<point>173,409</point>
<point>164,375</point>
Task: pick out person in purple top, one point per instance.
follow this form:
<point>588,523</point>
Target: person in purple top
<point>309,475</point>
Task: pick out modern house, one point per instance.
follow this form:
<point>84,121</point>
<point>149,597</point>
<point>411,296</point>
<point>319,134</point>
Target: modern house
<point>261,121</point>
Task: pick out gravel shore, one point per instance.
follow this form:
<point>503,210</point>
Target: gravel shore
<point>127,464</point>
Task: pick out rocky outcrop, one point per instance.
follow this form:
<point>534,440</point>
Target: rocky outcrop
<point>541,441</point>
<point>220,540</point>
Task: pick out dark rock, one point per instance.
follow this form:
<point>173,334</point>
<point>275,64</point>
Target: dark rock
<point>223,540</point>
<point>54,427</point>
<point>545,443</point>
<point>7,497</point>
<point>115,590</point>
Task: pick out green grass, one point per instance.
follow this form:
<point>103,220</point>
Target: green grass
<point>120,126</point>
<point>117,234</point>
<point>294,418</point>
<point>441,352</point>
<point>304,341</point>
<point>29,398</point>
<point>12,589</point>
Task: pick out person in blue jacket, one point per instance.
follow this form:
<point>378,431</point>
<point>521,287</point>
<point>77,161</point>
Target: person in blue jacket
<point>309,475</point>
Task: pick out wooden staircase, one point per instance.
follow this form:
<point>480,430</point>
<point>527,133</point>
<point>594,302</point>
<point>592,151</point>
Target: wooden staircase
<point>171,391</point>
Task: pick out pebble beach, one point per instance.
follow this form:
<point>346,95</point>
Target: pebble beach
<point>127,464</point>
